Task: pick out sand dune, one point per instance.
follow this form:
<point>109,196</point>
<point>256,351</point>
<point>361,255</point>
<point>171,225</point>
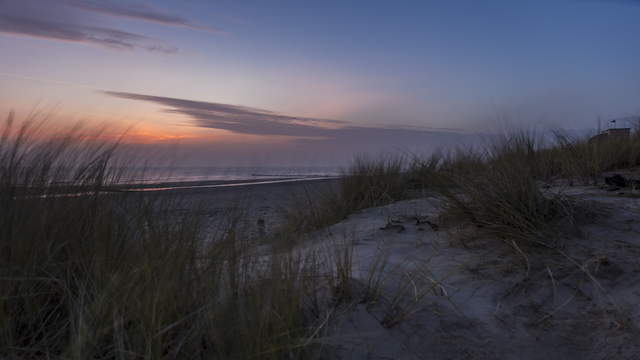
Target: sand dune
<point>451,294</point>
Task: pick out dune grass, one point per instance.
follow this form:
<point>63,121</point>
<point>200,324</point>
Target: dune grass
<point>583,161</point>
<point>502,188</point>
<point>365,183</point>
<point>500,192</point>
<point>497,187</point>
<point>108,275</point>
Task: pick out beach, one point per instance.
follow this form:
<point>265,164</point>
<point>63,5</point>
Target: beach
<point>257,199</point>
<point>204,180</point>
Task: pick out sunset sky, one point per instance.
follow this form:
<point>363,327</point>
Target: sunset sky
<point>316,81</point>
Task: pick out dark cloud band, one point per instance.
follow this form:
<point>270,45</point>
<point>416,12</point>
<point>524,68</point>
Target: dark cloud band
<point>248,120</point>
<point>33,18</point>
<point>137,11</point>
<point>110,38</point>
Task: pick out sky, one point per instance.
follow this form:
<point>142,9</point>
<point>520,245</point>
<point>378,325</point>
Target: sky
<point>302,82</point>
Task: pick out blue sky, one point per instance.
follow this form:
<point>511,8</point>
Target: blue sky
<point>411,68</point>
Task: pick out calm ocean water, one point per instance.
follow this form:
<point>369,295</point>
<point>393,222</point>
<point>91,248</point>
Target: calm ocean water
<point>233,173</point>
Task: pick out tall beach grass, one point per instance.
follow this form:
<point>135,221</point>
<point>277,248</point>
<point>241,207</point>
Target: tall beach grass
<point>498,186</point>
<point>90,274</point>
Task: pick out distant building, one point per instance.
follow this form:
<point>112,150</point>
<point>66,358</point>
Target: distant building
<point>612,134</point>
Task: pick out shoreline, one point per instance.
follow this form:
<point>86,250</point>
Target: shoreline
<point>201,184</point>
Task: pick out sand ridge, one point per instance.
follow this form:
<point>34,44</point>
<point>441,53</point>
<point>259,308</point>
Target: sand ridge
<point>450,293</point>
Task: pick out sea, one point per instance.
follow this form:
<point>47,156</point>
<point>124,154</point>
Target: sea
<point>165,178</point>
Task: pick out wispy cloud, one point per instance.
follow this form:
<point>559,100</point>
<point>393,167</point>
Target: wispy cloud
<point>67,20</point>
<point>110,38</point>
<point>238,119</point>
<point>248,120</point>
<point>138,11</point>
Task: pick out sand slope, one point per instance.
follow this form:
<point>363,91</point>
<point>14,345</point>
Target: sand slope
<point>450,293</point>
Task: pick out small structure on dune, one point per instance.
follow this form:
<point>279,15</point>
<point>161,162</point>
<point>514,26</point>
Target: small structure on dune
<point>611,134</point>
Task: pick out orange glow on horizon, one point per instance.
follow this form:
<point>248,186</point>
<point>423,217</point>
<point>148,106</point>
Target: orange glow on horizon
<point>149,134</point>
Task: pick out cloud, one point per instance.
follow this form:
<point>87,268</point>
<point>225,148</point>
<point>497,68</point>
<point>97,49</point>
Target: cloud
<point>252,121</point>
<point>72,20</point>
<point>137,11</point>
<point>312,141</point>
<point>238,119</point>
<point>110,38</point>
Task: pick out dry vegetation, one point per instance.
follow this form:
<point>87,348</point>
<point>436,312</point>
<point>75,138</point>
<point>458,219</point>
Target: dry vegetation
<point>501,189</point>
<point>117,276</point>
<point>365,183</point>
<point>498,187</point>
<point>112,276</point>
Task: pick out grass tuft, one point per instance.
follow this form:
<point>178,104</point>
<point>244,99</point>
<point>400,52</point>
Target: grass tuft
<point>88,273</point>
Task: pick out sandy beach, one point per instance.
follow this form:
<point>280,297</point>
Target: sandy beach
<point>463,296</point>
<point>258,199</point>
